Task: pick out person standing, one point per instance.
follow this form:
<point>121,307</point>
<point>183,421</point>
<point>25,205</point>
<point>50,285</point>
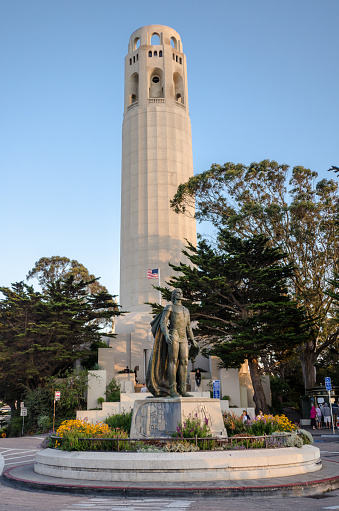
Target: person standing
<point>326,411</point>
<point>318,417</point>
<point>335,413</point>
<point>198,377</point>
<point>313,414</point>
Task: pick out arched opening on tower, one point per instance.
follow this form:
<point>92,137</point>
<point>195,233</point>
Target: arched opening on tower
<point>155,39</point>
<point>174,43</point>
<point>156,89</point>
<point>136,43</point>
<point>133,88</point>
<point>178,88</point>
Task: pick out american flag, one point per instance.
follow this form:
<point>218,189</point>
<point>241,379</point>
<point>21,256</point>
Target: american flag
<point>153,274</point>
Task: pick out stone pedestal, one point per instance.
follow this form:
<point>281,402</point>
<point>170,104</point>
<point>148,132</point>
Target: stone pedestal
<point>159,417</point>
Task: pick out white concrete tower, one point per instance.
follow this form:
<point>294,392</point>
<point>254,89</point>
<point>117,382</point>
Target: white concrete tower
<point>156,158</point>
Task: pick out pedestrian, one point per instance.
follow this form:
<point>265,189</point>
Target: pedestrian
<point>143,388</point>
<point>245,417</point>
<point>313,414</point>
<point>335,412</point>
<point>198,377</point>
<point>326,413</point>
<point>318,417</point>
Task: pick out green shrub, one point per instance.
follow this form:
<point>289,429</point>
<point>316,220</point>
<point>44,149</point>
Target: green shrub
<point>45,423</point>
<point>113,391</point>
<point>192,427</point>
<point>120,421</point>
<point>15,426</point>
<point>39,402</point>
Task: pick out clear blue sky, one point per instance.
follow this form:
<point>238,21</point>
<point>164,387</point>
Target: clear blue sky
<point>263,83</point>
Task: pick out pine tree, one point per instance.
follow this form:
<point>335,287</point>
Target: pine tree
<point>43,334</point>
<point>238,293</point>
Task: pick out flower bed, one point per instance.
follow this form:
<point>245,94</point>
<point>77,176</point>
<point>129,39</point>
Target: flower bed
<point>260,425</point>
<point>78,435</point>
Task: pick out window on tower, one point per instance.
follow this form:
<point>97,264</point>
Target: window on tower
<point>155,53</point>
<point>150,54</point>
<point>160,53</point>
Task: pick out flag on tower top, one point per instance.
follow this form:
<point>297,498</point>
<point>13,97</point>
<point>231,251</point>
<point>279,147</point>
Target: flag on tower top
<point>153,274</point>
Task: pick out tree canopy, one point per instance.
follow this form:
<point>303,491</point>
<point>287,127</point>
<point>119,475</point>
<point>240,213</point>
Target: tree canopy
<point>49,269</point>
<point>238,294</point>
<point>42,334</point>
<point>295,212</point>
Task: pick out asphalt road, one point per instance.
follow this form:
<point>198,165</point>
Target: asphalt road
<point>19,451</point>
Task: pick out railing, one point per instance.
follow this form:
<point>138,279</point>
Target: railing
<point>205,444</point>
<point>156,100</point>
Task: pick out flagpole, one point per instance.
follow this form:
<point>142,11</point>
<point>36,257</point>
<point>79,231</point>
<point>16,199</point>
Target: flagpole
<point>159,286</point>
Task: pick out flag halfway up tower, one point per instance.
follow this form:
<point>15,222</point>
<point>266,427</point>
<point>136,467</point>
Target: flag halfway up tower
<point>156,158</point>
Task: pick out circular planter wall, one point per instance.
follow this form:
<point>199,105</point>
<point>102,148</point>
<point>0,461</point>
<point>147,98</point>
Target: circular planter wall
<point>178,467</point>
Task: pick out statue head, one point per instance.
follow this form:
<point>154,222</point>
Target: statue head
<point>176,295</point>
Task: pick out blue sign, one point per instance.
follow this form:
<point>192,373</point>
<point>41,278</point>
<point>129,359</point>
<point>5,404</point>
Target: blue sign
<point>216,389</point>
<point>328,383</point>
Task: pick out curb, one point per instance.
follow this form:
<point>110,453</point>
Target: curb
<point>281,490</point>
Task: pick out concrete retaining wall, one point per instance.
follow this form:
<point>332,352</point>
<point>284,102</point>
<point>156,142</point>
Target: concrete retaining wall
<point>178,467</point>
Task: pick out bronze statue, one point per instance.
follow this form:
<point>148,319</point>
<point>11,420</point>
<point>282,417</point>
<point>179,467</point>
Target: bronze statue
<point>167,369</point>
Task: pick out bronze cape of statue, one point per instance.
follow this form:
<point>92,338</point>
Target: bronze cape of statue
<point>167,368</point>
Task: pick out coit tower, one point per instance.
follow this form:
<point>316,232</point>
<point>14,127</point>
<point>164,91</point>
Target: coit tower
<point>156,158</point>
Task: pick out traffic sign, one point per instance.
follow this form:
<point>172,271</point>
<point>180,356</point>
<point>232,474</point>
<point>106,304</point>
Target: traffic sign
<point>57,395</point>
<point>23,412</point>
<point>328,383</point>
<point>216,389</point>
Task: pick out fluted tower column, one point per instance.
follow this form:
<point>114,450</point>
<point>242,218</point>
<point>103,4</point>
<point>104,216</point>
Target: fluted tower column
<point>156,158</point>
